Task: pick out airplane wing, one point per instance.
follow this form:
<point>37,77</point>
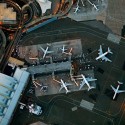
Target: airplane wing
<point>90,79</point>
<point>82,84</point>
<point>68,84</point>
<point>49,52</point>
<point>79,78</point>
<point>100,50</point>
<point>42,49</point>
<point>106,59</point>
<point>119,91</point>
<point>113,88</point>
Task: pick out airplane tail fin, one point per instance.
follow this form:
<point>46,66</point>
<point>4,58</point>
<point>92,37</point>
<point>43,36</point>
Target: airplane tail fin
<point>91,87</point>
<point>113,88</point>
<point>67,91</point>
<point>120,82</point>
<point>109,50</point>
<point>42,49</point>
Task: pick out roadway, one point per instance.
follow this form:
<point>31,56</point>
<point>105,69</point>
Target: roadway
<point>16,37</point>
<point>34,8</point>
<point>59,15</point>
<point>63,27</point>
<point>2,44</point>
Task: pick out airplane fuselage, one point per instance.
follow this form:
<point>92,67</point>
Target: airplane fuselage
<point>86,81</point>
<point>63,49</point>
<point>63,84</point>
<point>45,52</point>
<point>76,9</point>
<point>116,91</point>
<point>104,54</point>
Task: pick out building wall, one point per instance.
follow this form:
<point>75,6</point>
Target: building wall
<point>10,91</point>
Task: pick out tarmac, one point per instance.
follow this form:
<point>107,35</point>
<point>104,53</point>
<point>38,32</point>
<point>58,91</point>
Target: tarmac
<point>34,51</point>
<point>58,107</point>
<point>53,86</point>
<point>115,18</point>
<point>88,12</point>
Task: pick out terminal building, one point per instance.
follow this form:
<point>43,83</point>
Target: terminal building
<point>10,91</point>
<point>44,4</point>
<point>7,14</point>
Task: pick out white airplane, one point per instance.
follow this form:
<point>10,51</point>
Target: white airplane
<point>45,51</point>
<point>117,89</point>
<point>63,85</point>
<point>93,5</point>
<point>63,49</point>
<point>85,81</point>
<point>103,55</point>
<point>76,9</point>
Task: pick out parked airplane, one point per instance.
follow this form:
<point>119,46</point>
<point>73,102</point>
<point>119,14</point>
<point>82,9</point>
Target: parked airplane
<point>76,9</point>
<point>85,81</point>
<point>63,49</point>
<point>95,6</point>
<point>63,85</point>
<point>117,89</point>
<point>45,51</point>
<point>103,55</point>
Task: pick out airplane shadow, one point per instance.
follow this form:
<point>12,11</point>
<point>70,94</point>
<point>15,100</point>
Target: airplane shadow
<point>110,94</point>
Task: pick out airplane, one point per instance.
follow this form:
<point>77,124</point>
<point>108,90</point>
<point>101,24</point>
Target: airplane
<point>103,55</point>
<point>63,85</point>
<point>45,51</point>
<point>117,89</point>
<point>63,49</point>
<point>85,81</point>
<point>93,5</point>
<point>76,9</point>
